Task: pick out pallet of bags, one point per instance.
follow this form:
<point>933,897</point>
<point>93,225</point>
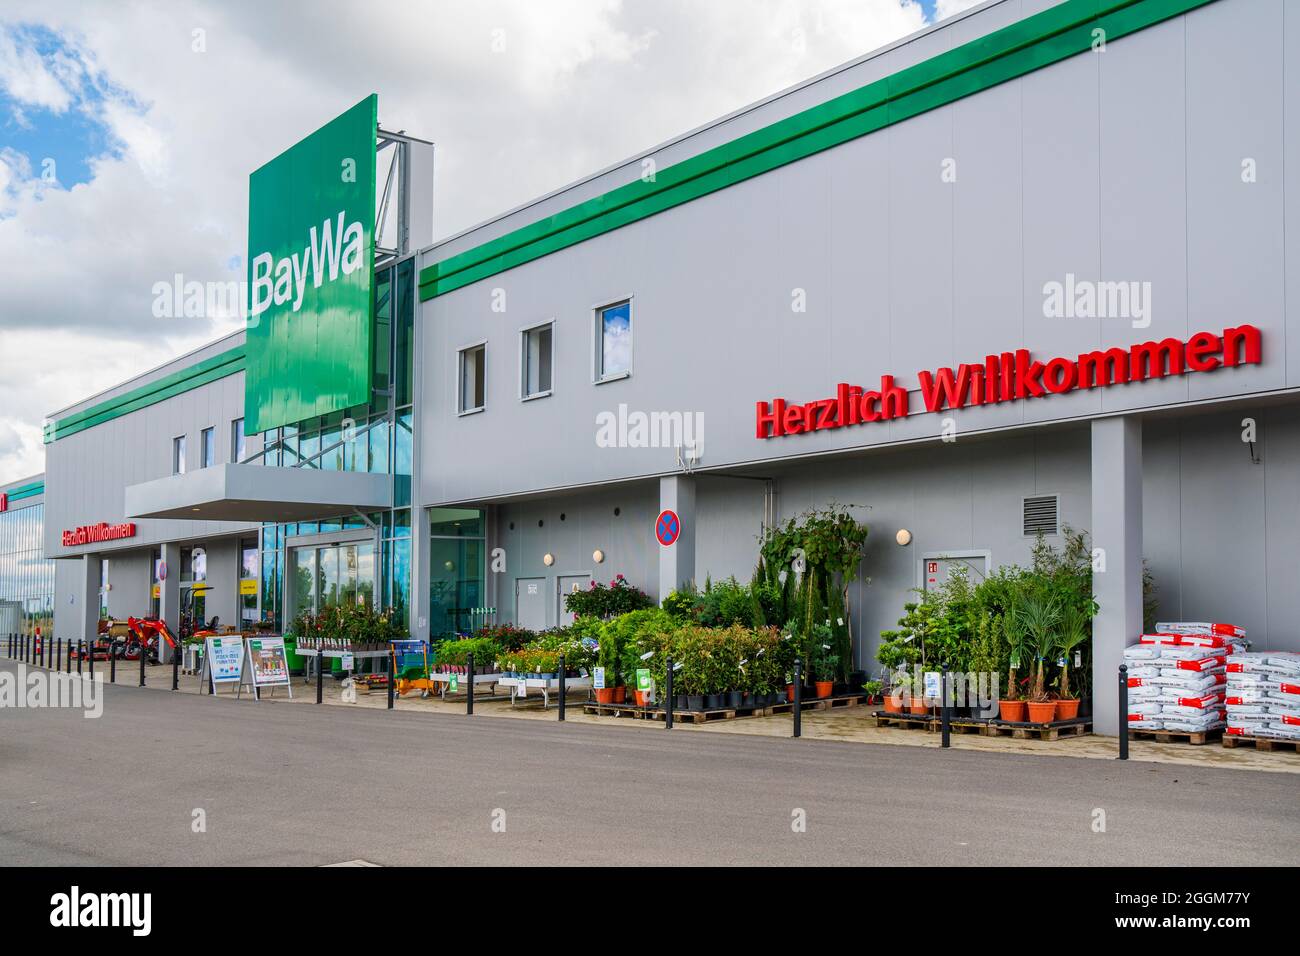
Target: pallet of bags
<point>1185,679</point>
<point>1263,694</point>
<point>1144,708</point>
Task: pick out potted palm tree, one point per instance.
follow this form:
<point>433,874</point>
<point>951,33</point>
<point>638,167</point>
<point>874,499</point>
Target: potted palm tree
<point>1072,632</point>
<point>1012,707</point>
<point>1039,617</point>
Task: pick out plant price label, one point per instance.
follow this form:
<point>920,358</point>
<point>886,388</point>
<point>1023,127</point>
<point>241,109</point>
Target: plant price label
<point>598,678</point>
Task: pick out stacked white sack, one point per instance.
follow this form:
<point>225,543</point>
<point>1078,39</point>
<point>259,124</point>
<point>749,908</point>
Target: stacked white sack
<point>1265,695</point>
<point>1177,681</point>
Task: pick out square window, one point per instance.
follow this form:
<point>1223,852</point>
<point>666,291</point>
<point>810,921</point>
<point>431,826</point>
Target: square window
<point>537,361</point>
<point>208,446</point>
<point>178,455</point>
<point>473,361</point>
<point>614,341</point>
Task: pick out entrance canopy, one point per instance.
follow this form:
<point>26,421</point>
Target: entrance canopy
<point>259,493</point>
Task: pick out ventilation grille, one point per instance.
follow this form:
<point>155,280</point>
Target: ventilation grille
<point>1040,514</point>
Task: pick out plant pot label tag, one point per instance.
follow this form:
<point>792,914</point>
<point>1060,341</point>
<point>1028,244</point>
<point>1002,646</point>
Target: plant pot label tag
<point>643,679</point>
<point>349,662</point>
<point>598,678</point>
<point>453,685</point>
<point>1078,659</point>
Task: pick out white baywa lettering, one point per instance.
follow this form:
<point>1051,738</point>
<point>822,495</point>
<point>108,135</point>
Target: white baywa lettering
<point>333,248</point>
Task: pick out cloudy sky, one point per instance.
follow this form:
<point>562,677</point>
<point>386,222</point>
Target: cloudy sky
<point>128,130</point>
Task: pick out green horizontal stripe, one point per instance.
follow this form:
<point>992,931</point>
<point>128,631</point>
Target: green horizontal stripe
<point>27,491</point>
<point>177,383</point>
<point>1055,34</point>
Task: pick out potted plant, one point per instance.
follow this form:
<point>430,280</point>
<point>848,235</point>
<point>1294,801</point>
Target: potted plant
<point>872,687</point>
<point>1012,708</point>
<point>1073,631</point>
<point>1038,618</point>
<point>823,666</point>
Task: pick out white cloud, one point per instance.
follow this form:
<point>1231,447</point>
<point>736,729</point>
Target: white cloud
<point>564,88</point>
<point>946,8</point>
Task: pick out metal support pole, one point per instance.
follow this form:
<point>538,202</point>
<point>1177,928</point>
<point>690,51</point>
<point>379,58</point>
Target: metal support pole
<point>392,676</point>
<point>176,665</point>
<point>90,663</point>
<point>69,646</point>
<point>58,655</point>
<point>945,711</point>
<point>27,649</point>
<point>668,697</point>
<point>320,674</point>
<point>563,687</point>
<point>81,654</point>
<point>1123,711</point>
<point>469,687</point>
<point>798,696</point>
<point>112,663</point>
<point>143,654</point>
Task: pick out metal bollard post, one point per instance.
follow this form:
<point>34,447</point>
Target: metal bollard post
<point>90,664</point>
<point>668,696</point>
<point>143,655</point>
<point>945,710</point>
<point>1123,711</point>
<point>469,685</point>
<point>392,677</point>
<point>320,674</point>
<point>798,696</point>
<point>112,663</point>
<point>81,654</point>
<point>176,666</point>
<point>563,687</point>
<point>68,645</point>
<point>58,655</point>
<point>27,649</point>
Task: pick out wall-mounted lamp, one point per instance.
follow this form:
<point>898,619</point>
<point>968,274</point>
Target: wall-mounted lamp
<point>598,556</point>
<point>548,559</point>
<point>904,537</point>
<point>450,565</point>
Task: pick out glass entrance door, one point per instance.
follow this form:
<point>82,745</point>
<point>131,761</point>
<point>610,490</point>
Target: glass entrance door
<point>337,575</point>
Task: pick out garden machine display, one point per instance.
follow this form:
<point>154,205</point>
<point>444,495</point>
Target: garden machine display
<point>411,667</point>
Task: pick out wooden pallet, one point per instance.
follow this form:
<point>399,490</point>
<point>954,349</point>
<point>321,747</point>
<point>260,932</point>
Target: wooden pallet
<point>720,713</point>
<point>1027,731</point>
<point>906,721</point>
<point>1261,743</point>
<point>1177,736</point>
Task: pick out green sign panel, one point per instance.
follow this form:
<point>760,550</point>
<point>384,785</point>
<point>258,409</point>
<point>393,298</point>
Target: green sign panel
<point>311,222</point>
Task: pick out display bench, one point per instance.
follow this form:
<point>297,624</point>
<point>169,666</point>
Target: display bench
<point>444,679</point>
<point>310,654</point>
<point>520,686</point>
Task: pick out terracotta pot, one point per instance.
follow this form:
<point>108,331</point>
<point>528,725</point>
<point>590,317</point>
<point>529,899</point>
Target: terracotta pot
<point>824,688</point>
<point>1012,710</point>
<point>620,693</point>
<point>789,692</point>
<point>604,695</point>
<point>893,704</point>
<point>1041,712</point>
<point>641,697</point>
<point>1067,709</point>
<point>917,705</point>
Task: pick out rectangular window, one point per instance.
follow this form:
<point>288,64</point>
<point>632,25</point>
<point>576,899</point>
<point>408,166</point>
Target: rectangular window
<point>472,368</point>
<point>238,441</point>
<point>614,341</point>
<point>178,455</point>
<point>537,361</point>
<point>208,447</point>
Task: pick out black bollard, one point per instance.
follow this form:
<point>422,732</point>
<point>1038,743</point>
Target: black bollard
<point>68,644</point>
<point>668,696</point>
<point>176,666</point>
<point>392,677</point>
<point>58,655</point>
<point>1123,711</point>
<point>469,686</point>
<point>320,674</point>
<point>563,687</point>
<point>90,664</point>
<point>798,696</point>
<point>945,710</point>
<point>112,662</point>
<point>143,653</point>
<point>81,654</point>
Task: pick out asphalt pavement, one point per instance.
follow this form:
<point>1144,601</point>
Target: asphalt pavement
<point>161,778</point>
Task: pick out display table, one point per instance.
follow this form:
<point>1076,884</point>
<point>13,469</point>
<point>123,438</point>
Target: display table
<point>310,653</point>
<point>444,678</point>
<point>520,686</point>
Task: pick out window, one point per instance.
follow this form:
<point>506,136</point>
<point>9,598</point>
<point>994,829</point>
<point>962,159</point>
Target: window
<point>178,455</point>
<point>208,448</point>
<point>472,368</point>
<point>614,341</point>
<point>238,444</point>
<point>537,361</point>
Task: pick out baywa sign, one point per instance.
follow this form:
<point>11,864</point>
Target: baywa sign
<point>311,215</point>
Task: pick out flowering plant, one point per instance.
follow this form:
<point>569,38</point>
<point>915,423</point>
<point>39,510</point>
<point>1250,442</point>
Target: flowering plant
<point>607,600</point>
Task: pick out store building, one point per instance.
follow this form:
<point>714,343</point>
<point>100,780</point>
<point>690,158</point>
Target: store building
<point>26,576</point>
<point>1023,270</point>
